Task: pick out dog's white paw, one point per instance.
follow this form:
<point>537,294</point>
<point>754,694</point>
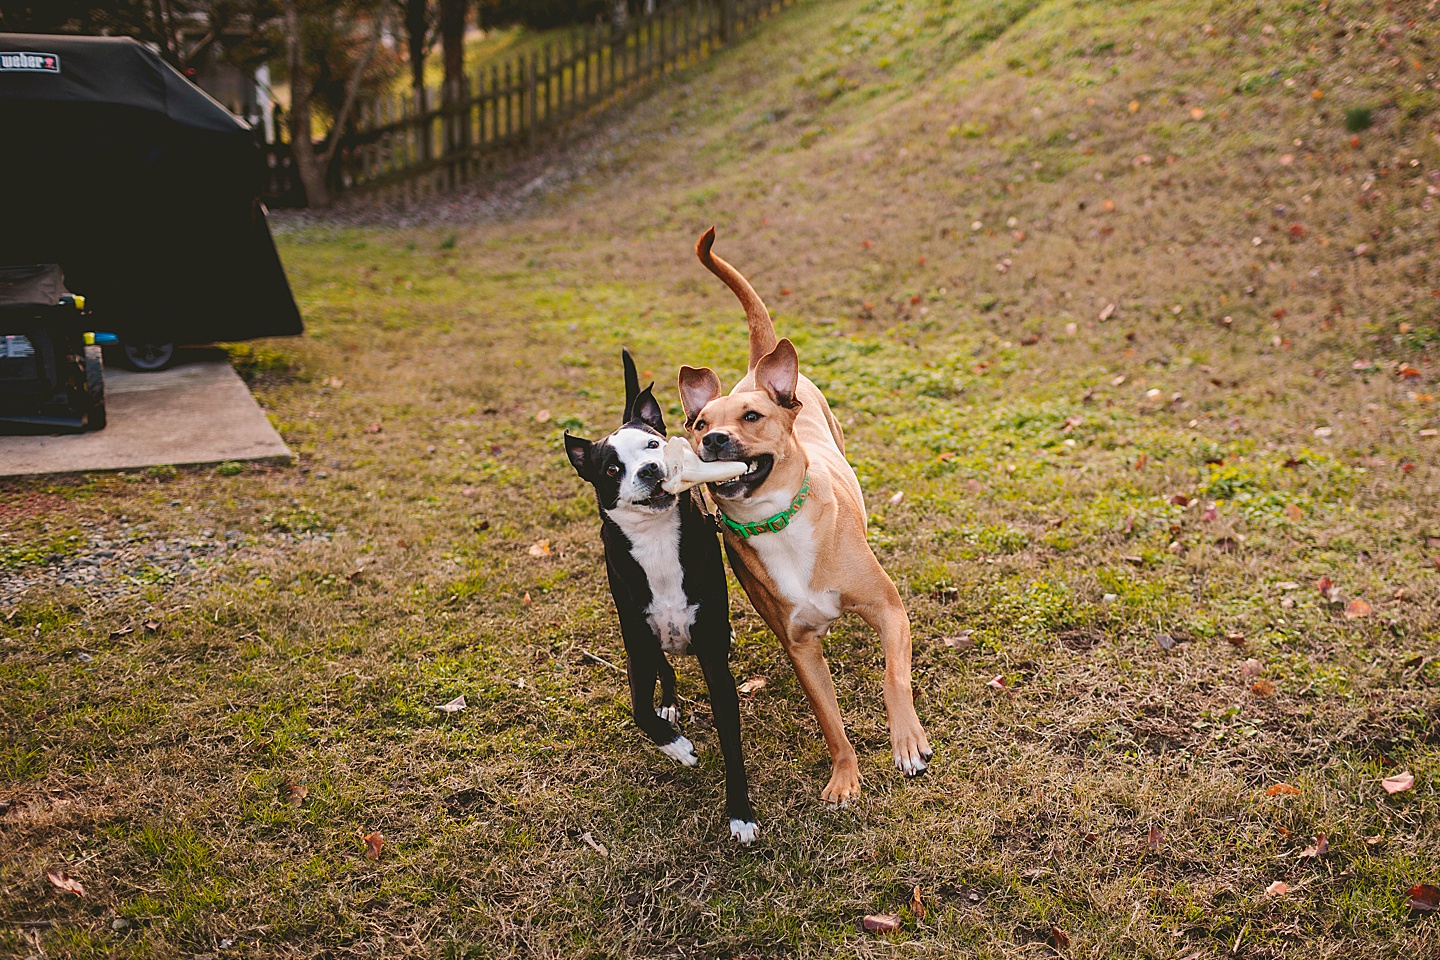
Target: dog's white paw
<point>670,714</point>
<point>682,750</point>
<point>910,764</point>
<point>746,831</point>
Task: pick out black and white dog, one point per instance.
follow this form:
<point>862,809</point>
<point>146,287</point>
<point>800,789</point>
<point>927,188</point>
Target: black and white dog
<point>668,582</point>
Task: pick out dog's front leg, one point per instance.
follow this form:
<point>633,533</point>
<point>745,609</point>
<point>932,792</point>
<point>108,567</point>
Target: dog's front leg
<point>642,666</point>
<point>725,702</point>
<point>908,743</point>
<point>803,645</point>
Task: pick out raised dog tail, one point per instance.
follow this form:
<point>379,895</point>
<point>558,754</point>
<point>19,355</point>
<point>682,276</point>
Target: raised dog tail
<point>632,385</point>
<point>762,328</point>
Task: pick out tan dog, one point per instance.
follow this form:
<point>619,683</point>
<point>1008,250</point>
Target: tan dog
<point>795,527</point>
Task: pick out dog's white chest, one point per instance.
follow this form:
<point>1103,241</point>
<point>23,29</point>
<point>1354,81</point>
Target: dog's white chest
<point>789,558</point>
<point>655,545</point>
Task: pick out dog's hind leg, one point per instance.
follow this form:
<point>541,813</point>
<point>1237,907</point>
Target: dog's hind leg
<point>725,702</point>
<point>642,667</point>
<point>669,708</point>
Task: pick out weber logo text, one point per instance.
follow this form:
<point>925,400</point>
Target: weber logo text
<point>29,62</point>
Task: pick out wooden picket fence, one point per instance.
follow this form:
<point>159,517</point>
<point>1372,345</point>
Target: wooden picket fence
<point>498,114</point>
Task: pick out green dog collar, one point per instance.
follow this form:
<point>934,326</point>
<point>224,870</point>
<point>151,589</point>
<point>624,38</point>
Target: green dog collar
<point>774,524</point>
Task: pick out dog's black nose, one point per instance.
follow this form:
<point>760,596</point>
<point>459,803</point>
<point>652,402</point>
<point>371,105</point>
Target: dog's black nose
<point>651,471</point>
<point>715,441</point>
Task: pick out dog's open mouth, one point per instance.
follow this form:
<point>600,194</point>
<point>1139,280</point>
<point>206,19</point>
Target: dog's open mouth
<point>659,500</point>
<point>758,470</point>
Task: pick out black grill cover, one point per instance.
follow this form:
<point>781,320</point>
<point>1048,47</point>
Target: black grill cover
<point>33,287</point>
<point>141,187</point>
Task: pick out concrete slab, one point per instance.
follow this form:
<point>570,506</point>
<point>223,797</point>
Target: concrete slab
<point>198,411</point>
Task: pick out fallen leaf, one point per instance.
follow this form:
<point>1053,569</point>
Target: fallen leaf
<point>1059,937</point>
<point>882,922</point>
<point>1318,849</point>
<point>998,682</point>
<point>542,416</point>
<point>374,428</point>
<point>1251,669</point>
<point>895,500</point>
<point>917,906</point>
<point>1277,889</point>
<point>66,883</point>
<point>374,840</point>
<point>1282,789</point>
<point>1153,839</point>
<point>1424,897</point>
<point>1197,113</point>
<point>540,548</point>
<point>594,844</point>
<point>1399,783</point>
<point>454,706</point>
<point>294,794</point>
<point>1327,589</point>
<point>753,684</point>
<point>1405,370</point>
<point>1262,688</point>
<point>1294,513</point>
<point>1180,500</point>
<point>1166,641</point>
<point>526,598</point>
<point>151,625</point>
<point>1357,608</point>
<point>962,642</point>
<point>1235,639</point>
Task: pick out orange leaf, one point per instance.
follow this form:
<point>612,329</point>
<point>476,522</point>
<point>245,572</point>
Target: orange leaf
<point>1277,889</point>
<point>917,906</point>
<point>1357,608</point>
<point>374,840</point>
<point>540,548</point>
<point>1319,849</point>
<point>1398,783</point>
<point>1294,513</point>
<point>68,884</point>
<point>1424,897</point>
<point>1262,688</point>
<point>1153,839</point>
<point>1279,789</point>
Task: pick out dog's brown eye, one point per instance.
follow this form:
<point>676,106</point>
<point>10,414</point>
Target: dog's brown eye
<point>699,424</point>
<point>751,416</point>
<point>612,471</point>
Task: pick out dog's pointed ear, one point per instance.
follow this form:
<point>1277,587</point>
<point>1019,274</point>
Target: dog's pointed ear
<point>581,453</point>
<point>647,410</point>
<point>697,388</point>
<point>778,374</point>
<point>632,385</point>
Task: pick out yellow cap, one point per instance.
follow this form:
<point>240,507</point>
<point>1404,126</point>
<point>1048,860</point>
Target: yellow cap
<point>79,301</point>
<point>89,339</point>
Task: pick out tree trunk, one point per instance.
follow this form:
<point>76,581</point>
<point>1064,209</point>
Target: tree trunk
<point>452,43</point>
<point>302,148</point>
<point>417,28</point>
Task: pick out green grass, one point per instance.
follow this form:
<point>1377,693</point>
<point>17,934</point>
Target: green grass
<point>1074,486</point>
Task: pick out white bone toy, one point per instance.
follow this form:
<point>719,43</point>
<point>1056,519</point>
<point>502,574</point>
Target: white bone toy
<point>683,469</point>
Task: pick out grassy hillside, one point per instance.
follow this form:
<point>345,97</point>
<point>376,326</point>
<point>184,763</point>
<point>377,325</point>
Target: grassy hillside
<point>1129,313</point>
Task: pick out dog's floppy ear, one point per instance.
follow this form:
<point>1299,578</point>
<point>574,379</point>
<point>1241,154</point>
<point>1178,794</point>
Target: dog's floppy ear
<point>632,386</point>
<point>581,453</point>
<point>697,388</point>
<point>647,410</point>
<point>778,373</point>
